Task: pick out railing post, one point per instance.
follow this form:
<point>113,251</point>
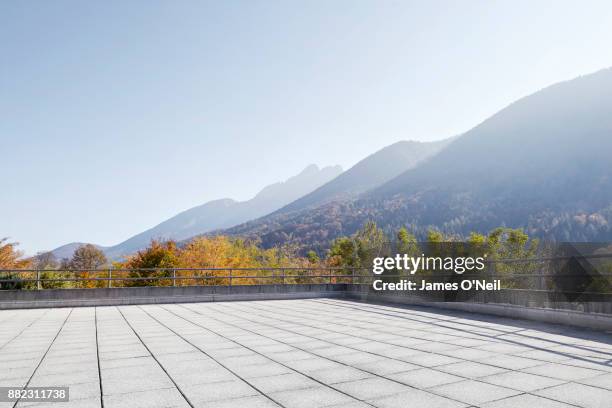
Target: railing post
<point>230,278</point>
<point>283,276</point>
<point>492,272</point>
<point>329,273</point>
<point>38,287</point>
<point>173,277</point>
<point>110,278</point>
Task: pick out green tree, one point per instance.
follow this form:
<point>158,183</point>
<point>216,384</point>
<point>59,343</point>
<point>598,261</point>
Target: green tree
<point>358,250</point>
<point>406,242</point>
<point>508,243</point>
<point>511,243</point>
<point>477,239</point>
<point>371,242</point>
<point>343,253</point>
<point>435,237</point>
<point>313,257</point>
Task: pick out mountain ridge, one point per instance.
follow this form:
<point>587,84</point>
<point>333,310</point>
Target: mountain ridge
<point>219,213</point>
<point>542,164</point>
<point>370,172</point>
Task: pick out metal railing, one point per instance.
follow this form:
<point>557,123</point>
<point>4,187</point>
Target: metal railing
<point>538,282</point>
<point>41,279</point>
<point>521,269</point>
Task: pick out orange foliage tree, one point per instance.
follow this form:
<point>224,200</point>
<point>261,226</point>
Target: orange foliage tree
<point>210,261</point>
<point>11,258</point>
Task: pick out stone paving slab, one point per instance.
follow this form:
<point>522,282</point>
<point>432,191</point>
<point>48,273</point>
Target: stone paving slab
<point>300,353</point>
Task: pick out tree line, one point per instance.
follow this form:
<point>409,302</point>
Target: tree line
<point>166,262</point>
<point>207,260</point>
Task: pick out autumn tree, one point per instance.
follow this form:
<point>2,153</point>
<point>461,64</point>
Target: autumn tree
<point>87,257</point>
<point>218,252</point>
<point>47,263</point>
<point>152,262</point>
<point>85,260</point>
<point>11,258</point>
<point>234,254</point>
<point>45,260</point>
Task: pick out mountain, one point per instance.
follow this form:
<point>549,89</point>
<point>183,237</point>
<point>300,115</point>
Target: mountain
<point>66,251</point>
<point>544,164</point>
<point>227,212</point>
<point>285,224</point>
<point>369,173</point>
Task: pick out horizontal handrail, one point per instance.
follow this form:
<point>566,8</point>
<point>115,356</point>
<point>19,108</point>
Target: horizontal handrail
<point>273,276</point>
<point>106,270</point>
<point>290,268</point>
<point>332,268</point>
<point>234,277</point>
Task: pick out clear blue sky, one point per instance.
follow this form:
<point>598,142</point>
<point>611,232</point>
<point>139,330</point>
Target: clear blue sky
<point>116,115</point>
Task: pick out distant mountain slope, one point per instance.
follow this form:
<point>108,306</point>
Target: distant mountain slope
<point>369,173</point>
<point>227,212</point>
<point>66,251</point>
<point>543,163</point>
<point>550,135</point>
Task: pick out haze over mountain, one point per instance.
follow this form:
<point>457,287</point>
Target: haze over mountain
<point>544,163</point>
<point>221,213</point>
<point>369,173</point>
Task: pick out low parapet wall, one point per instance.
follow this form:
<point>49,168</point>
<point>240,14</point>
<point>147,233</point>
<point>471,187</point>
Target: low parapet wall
<point>28,299</point>
<point>596,321</point>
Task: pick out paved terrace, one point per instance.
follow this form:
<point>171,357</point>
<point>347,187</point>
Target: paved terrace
<point>300,354</point>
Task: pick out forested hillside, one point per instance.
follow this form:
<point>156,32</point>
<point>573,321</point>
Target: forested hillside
<point>543,164</point>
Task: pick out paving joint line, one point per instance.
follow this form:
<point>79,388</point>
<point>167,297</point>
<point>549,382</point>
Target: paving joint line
<point>329,359</point>
<point>212,358</point>
<point>25,328</point>
<point>601,372</point>
<point>266,357</point>
<point>155,358</point>
<point>339,304</point>
<point>44,355</point>
<point>504,341</point>
<point>98,358</point>
<point>420,365</point>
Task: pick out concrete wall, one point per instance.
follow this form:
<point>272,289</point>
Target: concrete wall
<point>22,299</point>
<point>594,321</point>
